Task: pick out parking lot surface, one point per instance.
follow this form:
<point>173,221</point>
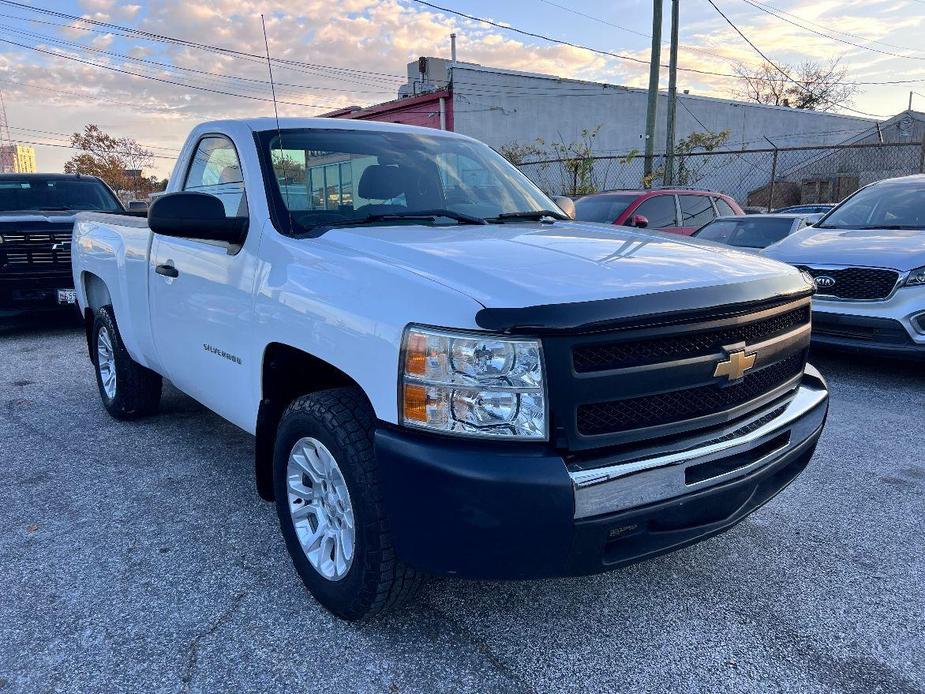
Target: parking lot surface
<point>138,558</point>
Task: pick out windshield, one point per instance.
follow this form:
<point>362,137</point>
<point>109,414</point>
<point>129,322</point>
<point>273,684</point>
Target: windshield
<point>604,209</point>
<point>893,205</point>
<point>58,194</point>
<point>336,177</point>
<point>747,232</point>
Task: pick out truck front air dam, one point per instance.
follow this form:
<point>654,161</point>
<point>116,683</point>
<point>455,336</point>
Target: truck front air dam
<point>492,511</point>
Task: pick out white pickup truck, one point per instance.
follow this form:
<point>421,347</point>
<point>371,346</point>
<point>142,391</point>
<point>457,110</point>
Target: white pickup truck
<point>444,373</point>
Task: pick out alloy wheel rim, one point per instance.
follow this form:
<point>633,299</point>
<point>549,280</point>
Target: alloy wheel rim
<point>106,362</point>
<point>320,508</point>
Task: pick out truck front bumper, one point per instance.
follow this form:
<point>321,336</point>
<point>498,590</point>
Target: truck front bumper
<point>492,510</point>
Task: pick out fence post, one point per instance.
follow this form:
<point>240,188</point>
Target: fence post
<point>773,177</point>
<point>922,155</point>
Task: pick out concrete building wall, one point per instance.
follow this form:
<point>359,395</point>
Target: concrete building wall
<point>502,107</point>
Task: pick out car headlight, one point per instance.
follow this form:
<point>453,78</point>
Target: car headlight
<point>473,385</point>
<point>916,277</point>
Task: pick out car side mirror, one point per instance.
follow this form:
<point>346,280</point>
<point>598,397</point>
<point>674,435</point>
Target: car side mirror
<point>639,221</point>
<point>567,205</point>
<point>195,216</point>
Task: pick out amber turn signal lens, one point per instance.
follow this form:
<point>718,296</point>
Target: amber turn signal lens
<point>415,355</point>
<point>414,403</point>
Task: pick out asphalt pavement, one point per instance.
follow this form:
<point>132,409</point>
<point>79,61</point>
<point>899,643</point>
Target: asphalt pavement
<point>138,558</point>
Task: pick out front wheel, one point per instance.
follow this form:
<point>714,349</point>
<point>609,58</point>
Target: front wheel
<point>330,507</point>
<point>128,389</point>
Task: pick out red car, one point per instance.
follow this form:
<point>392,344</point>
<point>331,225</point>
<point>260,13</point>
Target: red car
<point>678,210</point>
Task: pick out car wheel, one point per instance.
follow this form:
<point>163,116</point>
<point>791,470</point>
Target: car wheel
<point>128,389</point>
<point>330,506</point>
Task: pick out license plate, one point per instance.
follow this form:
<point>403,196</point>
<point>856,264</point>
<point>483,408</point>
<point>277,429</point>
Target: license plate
<point>67,296</point>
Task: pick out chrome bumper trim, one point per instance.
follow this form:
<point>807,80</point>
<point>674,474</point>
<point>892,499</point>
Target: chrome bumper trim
<point>627,485</point>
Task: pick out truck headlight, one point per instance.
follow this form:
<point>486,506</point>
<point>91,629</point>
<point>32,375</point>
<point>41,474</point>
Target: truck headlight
<point>473,385</point>
<point>916,277</point>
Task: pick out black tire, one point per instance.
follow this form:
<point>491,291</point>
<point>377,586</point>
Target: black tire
<point>376,581</point>
<point>137,390</point>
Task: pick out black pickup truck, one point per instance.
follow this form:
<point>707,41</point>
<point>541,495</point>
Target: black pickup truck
<point>36,218</point>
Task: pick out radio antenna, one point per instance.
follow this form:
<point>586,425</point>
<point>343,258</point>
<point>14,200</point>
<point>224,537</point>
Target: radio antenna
<point>279,132</point>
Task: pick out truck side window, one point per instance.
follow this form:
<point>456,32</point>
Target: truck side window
<point>215,169</point>
<point>660,211</point>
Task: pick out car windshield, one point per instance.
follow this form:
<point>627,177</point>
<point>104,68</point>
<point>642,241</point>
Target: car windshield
<point>747,232</point>
<point>897,204</point>
<point>328,177</point>
<point>55,194</point>
<point>604,209</point>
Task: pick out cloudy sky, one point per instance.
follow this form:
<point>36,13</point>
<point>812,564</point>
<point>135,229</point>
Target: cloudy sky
<point>57,74</point>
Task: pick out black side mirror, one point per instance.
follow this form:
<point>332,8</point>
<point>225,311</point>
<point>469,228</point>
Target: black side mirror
<point>195,216</point>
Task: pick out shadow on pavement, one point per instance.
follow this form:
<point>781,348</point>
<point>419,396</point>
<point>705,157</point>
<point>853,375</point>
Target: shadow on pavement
<point>33,323</point>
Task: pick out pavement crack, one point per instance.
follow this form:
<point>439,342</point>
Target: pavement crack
<point>466,634</point>
<point>192,653</point>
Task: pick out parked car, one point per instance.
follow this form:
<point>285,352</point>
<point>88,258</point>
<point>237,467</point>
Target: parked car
<point>816,208</point>
<point>445,374</point>
<point>36,219</point>
<point>754,231</point>
<point>678,210</point>
<point>867,257</point>
<point>137,205</point>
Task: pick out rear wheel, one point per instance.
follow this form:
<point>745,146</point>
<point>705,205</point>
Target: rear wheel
<point>330,507</point>
<point>128,389</point>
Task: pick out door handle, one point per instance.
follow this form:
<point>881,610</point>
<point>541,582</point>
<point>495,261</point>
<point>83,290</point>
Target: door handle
<point>167,270</point>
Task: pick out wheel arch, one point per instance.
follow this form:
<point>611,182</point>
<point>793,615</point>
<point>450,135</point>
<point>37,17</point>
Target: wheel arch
<point>287,372</point>
<point>96,295</point>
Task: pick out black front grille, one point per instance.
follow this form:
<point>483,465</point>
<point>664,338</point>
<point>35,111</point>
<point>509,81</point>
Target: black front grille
<point>619,355</point>
<point>666,408</point>
<point>31,251</point>
<point>856,282</point>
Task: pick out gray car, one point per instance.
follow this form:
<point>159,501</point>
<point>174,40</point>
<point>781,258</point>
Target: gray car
<point>867,257</point>
<point>754,230</point>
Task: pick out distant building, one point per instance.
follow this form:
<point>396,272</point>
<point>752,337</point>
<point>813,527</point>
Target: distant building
<point>504,107</point>
<point>17,159</point>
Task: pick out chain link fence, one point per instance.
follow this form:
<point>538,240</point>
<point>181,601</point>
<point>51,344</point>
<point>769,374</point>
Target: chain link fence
<point>767,178</point>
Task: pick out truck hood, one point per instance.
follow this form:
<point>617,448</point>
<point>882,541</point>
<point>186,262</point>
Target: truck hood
<point>528,264</point>
<point>898,249</point>
<point>7,218</point>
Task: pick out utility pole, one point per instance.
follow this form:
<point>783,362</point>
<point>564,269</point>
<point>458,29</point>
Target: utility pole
<point>654,65</point>
<point>7,155</point>
<point>910,100</point>
<point>672,93</point>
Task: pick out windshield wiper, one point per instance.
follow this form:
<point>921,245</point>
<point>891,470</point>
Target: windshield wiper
<point>890,227</point>
<point>531,214</point>
<point>413,215</point>
<point>425,215</point>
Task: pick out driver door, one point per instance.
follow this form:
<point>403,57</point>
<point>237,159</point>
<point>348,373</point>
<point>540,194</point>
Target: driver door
<point>202,296</point>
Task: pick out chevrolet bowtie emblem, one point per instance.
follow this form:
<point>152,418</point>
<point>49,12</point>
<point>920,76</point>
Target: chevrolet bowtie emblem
<point>735,366</point>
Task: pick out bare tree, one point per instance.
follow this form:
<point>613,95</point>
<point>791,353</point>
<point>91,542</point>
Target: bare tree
<point>810,85</point>
<point>118,161</point>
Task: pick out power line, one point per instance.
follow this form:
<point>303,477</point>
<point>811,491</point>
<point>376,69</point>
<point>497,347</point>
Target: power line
<point>837,31</point>
<point>561,42</point>
<point>53,40</point>
<point>52,144</point>
<point>598,51</point>
<point>175,150</point>
<point>776,66</point>
<point>194,44</point>
<point>829,36</point>
<point>164,80</point>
